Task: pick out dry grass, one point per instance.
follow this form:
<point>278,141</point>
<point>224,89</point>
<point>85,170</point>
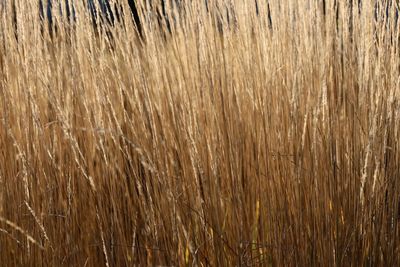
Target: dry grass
<point>257,144</point>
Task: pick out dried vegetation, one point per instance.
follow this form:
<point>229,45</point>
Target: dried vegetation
<point>230,139</point>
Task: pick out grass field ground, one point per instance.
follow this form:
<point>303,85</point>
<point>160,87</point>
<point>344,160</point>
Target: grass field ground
<point>219,144</point>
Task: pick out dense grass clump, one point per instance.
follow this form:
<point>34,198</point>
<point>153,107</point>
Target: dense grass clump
<point>234,134</point>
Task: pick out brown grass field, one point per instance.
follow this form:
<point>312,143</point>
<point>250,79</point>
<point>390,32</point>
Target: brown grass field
<point>228,141</point>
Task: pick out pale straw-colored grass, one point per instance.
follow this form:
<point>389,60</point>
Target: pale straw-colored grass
<point>228,142</point>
